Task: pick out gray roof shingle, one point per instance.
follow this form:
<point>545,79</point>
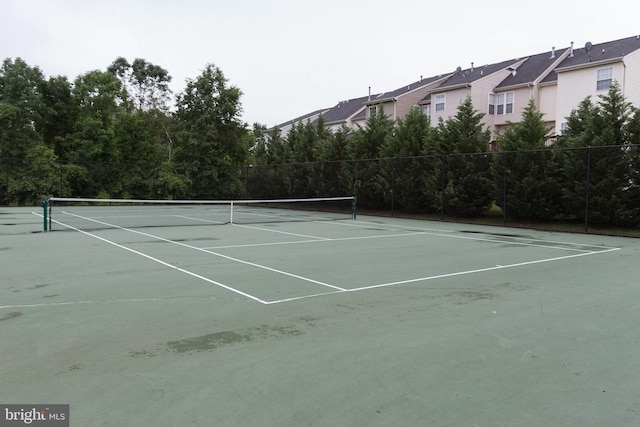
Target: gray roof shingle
<point>345,109</point>
<point>472,74</point>
<point>532,69</point>
<point>602,52</point>
<point>386,96</point>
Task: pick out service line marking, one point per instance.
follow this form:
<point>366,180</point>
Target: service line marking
<point>252,264</point>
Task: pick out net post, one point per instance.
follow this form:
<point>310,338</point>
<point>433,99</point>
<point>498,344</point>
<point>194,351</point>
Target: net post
<point>231,213</point>
<point>45,210</point>
<point>354,207</point>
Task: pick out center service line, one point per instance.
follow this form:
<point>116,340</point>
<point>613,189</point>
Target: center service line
<point>306,279</point>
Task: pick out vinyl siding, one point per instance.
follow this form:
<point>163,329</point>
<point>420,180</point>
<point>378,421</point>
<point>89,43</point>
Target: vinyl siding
<point>632,79</point>
<point>547,96</point>
<point>575,85</point>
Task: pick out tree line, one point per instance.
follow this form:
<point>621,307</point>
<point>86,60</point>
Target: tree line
<point>115,133</point>
<point>98,135</point>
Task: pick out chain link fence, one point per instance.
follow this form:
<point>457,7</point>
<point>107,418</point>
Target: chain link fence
<point>591,189</point>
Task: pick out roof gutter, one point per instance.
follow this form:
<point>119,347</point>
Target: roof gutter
<point>590,64</point>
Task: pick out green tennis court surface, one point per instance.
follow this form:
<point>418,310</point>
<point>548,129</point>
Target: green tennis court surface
<point>367,322</point>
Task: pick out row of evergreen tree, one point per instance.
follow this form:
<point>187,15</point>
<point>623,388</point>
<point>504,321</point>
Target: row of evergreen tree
<point>115,133</point>
<point>590,172</point>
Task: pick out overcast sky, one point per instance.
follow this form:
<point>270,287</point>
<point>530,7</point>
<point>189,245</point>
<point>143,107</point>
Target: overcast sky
<point>291,57</point>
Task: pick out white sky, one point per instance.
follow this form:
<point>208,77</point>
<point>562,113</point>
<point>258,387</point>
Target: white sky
<point>291,57</point>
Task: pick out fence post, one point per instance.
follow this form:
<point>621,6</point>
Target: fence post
<point>393,186</point>
<point>6,179</point>
<point>442,179</point>
<point>586,208</point>
<point>45,207</point>
<point>504,192</point>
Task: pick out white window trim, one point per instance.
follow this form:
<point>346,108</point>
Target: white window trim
<point>443,103</point>
<point>504,105</point>
<point>492,103</point>
<point>604,78</point>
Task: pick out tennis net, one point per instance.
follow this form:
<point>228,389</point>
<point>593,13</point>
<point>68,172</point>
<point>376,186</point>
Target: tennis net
<point>91,214</point>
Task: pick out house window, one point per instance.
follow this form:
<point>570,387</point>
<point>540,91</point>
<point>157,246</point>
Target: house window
<point>426,109</point>
<point>564,126</point>
<point>505,103</point>
<point>605,78</point>
<point>492,103</point>
<point>440,101</point>
<point>509,106</point>
<point>372,111</point>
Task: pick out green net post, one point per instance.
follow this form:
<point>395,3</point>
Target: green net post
<point>354,207</point>
<point>45,209</point>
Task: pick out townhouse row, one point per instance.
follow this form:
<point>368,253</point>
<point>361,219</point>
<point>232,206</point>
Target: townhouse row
<point>557,81</point>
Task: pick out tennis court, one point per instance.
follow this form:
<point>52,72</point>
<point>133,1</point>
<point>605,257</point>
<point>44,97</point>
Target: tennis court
<point>315,322</point>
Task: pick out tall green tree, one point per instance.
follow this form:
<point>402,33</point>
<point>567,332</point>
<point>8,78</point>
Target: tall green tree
<point>145,85</point>
<point>468,187</point>
<point>599,177</point>
<point>91,145</point>
<point>331,151</point>
<point>21,107</point>
<point>30,165</point>
<point>528,169</point>
<point>409,170</point>
<point>364,148</point>
<point>60,112</point>
<point>211,135</point>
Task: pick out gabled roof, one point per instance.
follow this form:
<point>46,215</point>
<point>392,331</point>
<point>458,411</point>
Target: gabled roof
<point>601,52</point>
<point>302,118</point>
<point>470,75</point>
<point>532,69</point>
<point>390,96</point>
<point>345,110</point>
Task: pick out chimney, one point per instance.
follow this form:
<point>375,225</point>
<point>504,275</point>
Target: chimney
<point>472,67</point>
<point>553,52</point>
<point>369,93</point>
<point>571,54</point>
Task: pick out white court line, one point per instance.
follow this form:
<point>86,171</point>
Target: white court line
<point>551,244</point>
<point>98,301</point>
<point>166,264</point>
<point>480,270</point>
<point>297,242</point>
<point>427,232</point>
<point>441,276</point>
<point>295,276</point>
<point>583,252</point>
<point>209,221</point>
<point>280,232</point>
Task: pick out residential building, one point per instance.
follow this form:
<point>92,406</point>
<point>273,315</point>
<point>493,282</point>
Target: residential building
<point>397,103</point>
<point>591,70</point>
<point>556,80</point>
